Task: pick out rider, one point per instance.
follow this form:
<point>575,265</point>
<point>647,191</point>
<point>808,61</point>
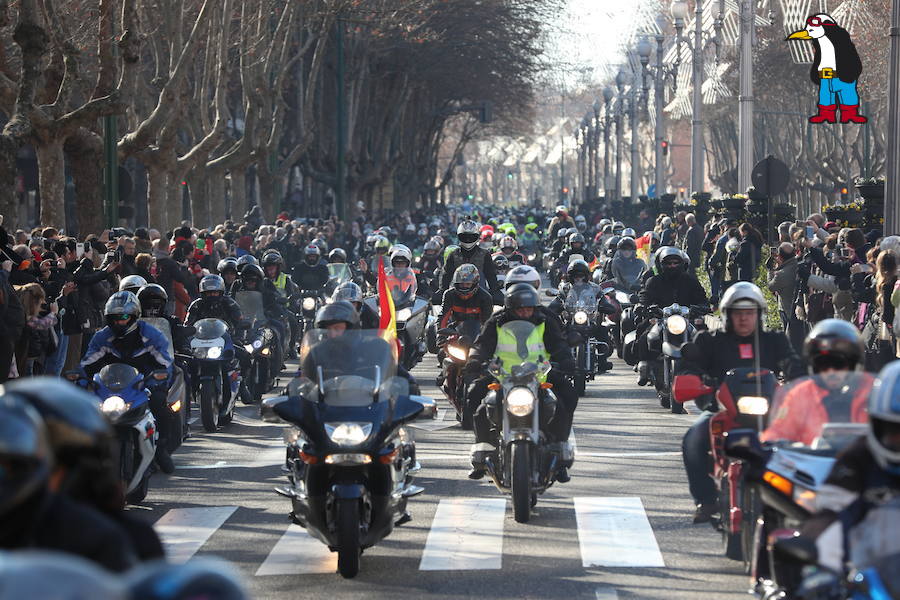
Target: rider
<point>576,246</point>
<point>509,247</point>
<point>352,293</point>
<point>742,343</point>
<point>227,269</point>
<point>833,349</point>
<point>253,280</point>
<point>627,268</point>
<point>153,299</point>
<point>132,283</point>
<point>469,253</point>
<point>465,299</point>
<point>312,272</point>
<point>521,304</point>
<point>126,339</point>
<point>273,265</point>
<point>370,269</point>
<point>561,220</point>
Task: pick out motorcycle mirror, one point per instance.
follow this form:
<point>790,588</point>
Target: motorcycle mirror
<point>797,549</point>
<point>744,444</point>
<point>691,352</point>
<point>429,411</point>
<point>551,292</point>
<point>688,387</point>
<point>267,409</point>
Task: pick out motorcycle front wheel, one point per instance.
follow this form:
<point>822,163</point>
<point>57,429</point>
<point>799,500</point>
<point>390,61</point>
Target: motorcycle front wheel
<point>348,537</point>
<point>209,407</point>
<point>521,481</point>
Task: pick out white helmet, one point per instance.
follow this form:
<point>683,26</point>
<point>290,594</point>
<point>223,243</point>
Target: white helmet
<point>401,251</point>
<point>891,242</point>
<point>132,283</point>
<point>523,274</point>
<point>742,294</point>
<point>884,416</point>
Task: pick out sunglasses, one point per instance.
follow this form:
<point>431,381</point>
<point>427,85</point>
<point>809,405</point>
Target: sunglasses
<point>817,22</point>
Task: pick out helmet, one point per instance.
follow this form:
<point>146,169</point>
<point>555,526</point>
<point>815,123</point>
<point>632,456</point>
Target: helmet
<point>348,291</point>
<point>612,244</point>
<point>132,284</point>
<point>521,295</point>
<point>122,312</point>
<point>337,312</point>
<point>465,279</point>
<point>578,267</point>
<point>467,233</point>
<point>212,283</point>
<point>370,241</point>
<point>24,451</point>
<point>431,246</point>
<point>669,254</point>
<point>337,256</point>
<point>523,274</point>
<point>508,242</point>
<point>532,227</point>
<point>227,264</point>
<point>571,230</point>
<point>628,231</point>
<point>272,257</point>
<point>203,578</point>
<point>382,244</point>
<point>561,210</point>
<point>562,233</point>
<point>618,227</point>
<point>626,243</point>
<point>487,235</point>
<point>410,228</point>
<point>486,227</point>
<point>153,299</point>
<point>247,259</point>
<point>666,222</point>
<point>831,343</point>
<point>401,252</point>
<point>252,272</point>
<point>884,419</point>
<point>311,254</point>
<point>742,294</point>
<point>501,263</point>
<point>576,238</point>
<point>603,223</point>
<point>580,218</point>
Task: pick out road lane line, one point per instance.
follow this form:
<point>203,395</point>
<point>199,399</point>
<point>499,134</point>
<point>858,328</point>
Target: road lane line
<point>615,532</point>
<point>629,454</point>
<point>466,534</point>
<point>606,593</point>
<point>183,531</point>
<point>298,553</point>
<point>572,442</point>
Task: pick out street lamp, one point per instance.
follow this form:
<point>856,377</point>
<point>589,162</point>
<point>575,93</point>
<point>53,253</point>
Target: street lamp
<point>596,106</point>
<point>608,94</point>
<point>622,79</point>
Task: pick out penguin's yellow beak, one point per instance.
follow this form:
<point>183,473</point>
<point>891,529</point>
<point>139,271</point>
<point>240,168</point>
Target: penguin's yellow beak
<point>799,35</point>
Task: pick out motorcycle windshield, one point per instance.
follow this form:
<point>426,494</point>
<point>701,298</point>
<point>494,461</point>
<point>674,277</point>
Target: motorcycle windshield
<point>117,377</point>
<point>403,285</point>
<point>210,329</point>
<point>351,368</point>
<point>824,411</point>
<point>582,296</point>
<point>339,273</point>
<point>251,303</point>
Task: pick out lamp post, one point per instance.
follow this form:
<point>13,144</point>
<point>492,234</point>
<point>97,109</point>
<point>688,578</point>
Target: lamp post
<point>622,79</point>
<point>892,164</point>
<point>596,107</point>
<point>635,155</point>
<point>661,74</point>
<point>745,98</point>
<point>607,98</point>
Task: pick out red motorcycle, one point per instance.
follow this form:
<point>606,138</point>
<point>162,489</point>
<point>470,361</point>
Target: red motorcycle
<point>456,342</point>
<point>742,401</point>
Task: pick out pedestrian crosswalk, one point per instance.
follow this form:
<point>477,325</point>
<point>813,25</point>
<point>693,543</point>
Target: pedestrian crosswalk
<point>464,534</point>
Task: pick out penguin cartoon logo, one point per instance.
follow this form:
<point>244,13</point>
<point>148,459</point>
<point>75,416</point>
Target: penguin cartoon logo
<point>835,70</point>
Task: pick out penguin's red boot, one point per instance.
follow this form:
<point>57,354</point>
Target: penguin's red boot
<point>849,114</point>
<point>827,114</point>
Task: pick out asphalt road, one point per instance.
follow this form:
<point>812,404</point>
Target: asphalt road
<point>620,529</point>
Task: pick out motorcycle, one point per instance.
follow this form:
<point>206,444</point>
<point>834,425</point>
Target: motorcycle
<point>743,399</point>
<point>178,396</point>
<point>520,405</point>
<point>338,273</point>
<point>125,401</point>
<point>216,377</point>
<point>458,344</point>
<point>261,344</point>
<point>411,313</point>
<point>671,328</point>
<point>580,317</point>
<point>350,460</point>
<point>786,475</point>
<point>309,302</point>
<point>622,302</point>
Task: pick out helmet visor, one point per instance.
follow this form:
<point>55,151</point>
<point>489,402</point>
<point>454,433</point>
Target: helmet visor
<point>468,238</point>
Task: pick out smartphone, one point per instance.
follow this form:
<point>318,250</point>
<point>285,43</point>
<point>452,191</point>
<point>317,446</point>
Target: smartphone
<point>810,232</point>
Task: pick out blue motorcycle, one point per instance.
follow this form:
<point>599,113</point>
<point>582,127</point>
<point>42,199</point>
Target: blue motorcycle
<point>215,375</point>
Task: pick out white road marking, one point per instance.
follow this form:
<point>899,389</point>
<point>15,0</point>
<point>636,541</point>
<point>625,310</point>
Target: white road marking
<point>193,420</point>
<point>298,553</point>
<point>466,534</point>
<point>606,593</point>
<point>615,532</point>
<point>572,442</point>
<point>263,456</point>
<point>629,454</point>
<point>183,531</point>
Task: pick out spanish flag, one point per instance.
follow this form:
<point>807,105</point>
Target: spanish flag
<point>594,264</point>
<point>388,318</point>
<point>643,246</point>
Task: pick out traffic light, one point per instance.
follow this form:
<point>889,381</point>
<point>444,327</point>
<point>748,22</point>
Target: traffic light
<point>470,197</point>
<point>681,192</point>
<point>665,147</point>
<point>509,175</point>
<point>844,193</point>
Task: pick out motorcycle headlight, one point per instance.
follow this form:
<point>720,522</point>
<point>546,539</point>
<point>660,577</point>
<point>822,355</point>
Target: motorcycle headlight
<point>404,314</point>
<point>348,434</point>
<point>214,352</point>
<point>676,324</point>
<point>257,344</point>
<point>114,406</point>
<point>309,303</point>
<point>581,317</point>
<point>457,352</point>
<point>520,402</point>
<point>753,405</point>
<point>622,297</point>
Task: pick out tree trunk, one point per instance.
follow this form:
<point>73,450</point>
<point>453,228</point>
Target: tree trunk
<point>238,194</point>
<point>216,191</point>
<point>157,181</point>
<point>199,187</point>
<point>267,201</point>
<point>84,151</point>
<point>174,201</point>
<point>52,182</point>
<point>9,199</point>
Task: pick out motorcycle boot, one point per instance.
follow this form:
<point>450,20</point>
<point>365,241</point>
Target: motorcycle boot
<point>566,454</point>
<point>643,369</point>
<point>481,452</point>
<point>160,409</point>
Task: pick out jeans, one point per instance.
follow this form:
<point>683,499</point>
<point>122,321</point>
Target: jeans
<point>695,450</point>
<point>53,364</point>
<point>834,91</point>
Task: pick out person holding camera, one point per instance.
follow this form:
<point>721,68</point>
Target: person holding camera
<point>783,281</point>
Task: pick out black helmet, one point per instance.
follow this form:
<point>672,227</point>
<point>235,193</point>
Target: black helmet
<point>501,262</point>
<point>670,255</point>
<point>578,267</point>
<point>432,246</point>
<point>153,299</point>
<point>833,343</point>
<point>24,451</point>
<point>521,295</point>
<point>212,283</point>
<point>465,279</point>
<point>612,244</point>
<point>337,312</point>
<point>122,312</point>
<point>272,257</point>
<point>252,273</point>
<point>227,264</point>
<point>247,259</point>
<point>337,256</point>
<point>576,238</point>
<point>626,243</point>
<point>348,291</point>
